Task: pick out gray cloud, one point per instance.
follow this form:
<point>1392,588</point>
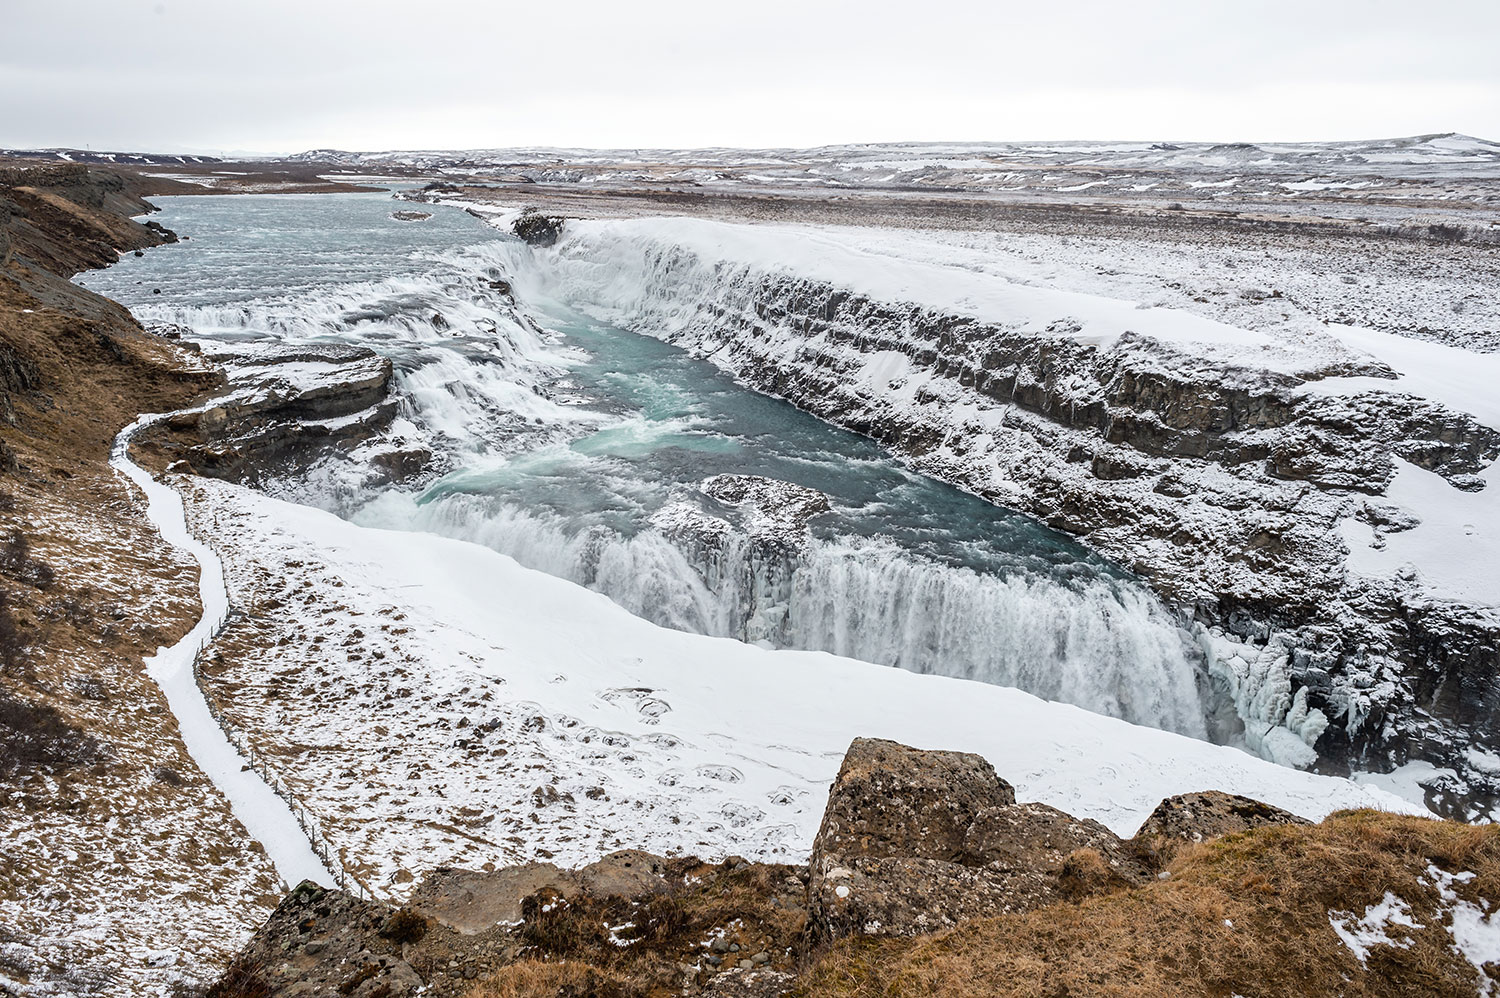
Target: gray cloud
<point>280,75</point>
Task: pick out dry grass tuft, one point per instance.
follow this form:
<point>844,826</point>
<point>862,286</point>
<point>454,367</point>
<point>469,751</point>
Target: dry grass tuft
<point>243,979</point>
<point>1085,873</point>
<point>540,979</point>
<point>619,947</point>
<point>613,930</point>
<point>1246,914</point>
<point>404,926</point>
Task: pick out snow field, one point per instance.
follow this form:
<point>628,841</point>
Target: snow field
<point>435,703</point>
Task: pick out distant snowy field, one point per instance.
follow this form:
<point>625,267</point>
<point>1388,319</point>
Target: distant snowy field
<point>463,710</point>
<point>1385,178</point>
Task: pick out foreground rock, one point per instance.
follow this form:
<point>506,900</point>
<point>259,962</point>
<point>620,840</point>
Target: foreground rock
<point>911,842</point>
<point>630,924</point>
<point>914,842</point>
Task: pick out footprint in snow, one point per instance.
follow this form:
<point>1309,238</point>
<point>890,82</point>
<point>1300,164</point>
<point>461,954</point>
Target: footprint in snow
<point>649,707</point>
<point>786,796</point>
<point>741,815</point>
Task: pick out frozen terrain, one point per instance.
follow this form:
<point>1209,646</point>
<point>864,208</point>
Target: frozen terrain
<point>463,710</point>
<point>1424,180</point>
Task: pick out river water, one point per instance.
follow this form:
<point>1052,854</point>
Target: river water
<point>579,449</point>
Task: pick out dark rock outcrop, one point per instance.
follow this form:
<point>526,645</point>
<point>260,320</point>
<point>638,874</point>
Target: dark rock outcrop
<point>288,409</point>
<point>536,229</point>
<point>915,841</point>
<point>777,506</point>
<point>64,219</point>
<point>892,800</point>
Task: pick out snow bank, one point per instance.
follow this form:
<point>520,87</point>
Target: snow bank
<point>1454,548</point>
<point>663,739</point>
<point>864,262</point>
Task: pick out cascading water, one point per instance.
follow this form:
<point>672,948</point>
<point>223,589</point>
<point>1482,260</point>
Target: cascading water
<point>566,443</point>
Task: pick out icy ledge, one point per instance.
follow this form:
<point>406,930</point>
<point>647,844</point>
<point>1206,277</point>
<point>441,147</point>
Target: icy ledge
<point>267,817</point>
<point>458,709</point>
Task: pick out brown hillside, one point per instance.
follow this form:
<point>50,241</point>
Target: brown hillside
<point>105,822</point>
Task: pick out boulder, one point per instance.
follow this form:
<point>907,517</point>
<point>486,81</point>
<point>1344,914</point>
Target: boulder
<point>536,229</point>
<point>1201,816</point>
<point>915,841</point>
<point>892,800</point>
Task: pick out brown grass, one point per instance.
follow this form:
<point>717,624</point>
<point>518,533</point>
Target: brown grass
<point>670,925</point>
<point>539,979</point>
<point>1275,886</point>
<point>571,951</point>
<point>243,979</point>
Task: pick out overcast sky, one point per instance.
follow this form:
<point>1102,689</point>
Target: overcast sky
<point>286,75</point>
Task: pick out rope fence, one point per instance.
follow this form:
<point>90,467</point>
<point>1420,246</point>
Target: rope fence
<point>257,762</point>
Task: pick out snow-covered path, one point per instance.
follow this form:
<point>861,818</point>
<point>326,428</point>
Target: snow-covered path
<point>265,815</point>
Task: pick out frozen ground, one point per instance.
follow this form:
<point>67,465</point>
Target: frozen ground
<point>433,703</point>
<point>127,874</point>
<point>1425,179</point>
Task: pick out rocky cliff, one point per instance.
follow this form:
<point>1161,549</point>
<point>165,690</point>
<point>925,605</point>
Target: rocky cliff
<point>285,410</point>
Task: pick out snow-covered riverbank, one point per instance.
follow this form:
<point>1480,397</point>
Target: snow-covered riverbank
<point>434,703</point>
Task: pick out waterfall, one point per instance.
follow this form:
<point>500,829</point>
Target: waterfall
<point>1101,643</point>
